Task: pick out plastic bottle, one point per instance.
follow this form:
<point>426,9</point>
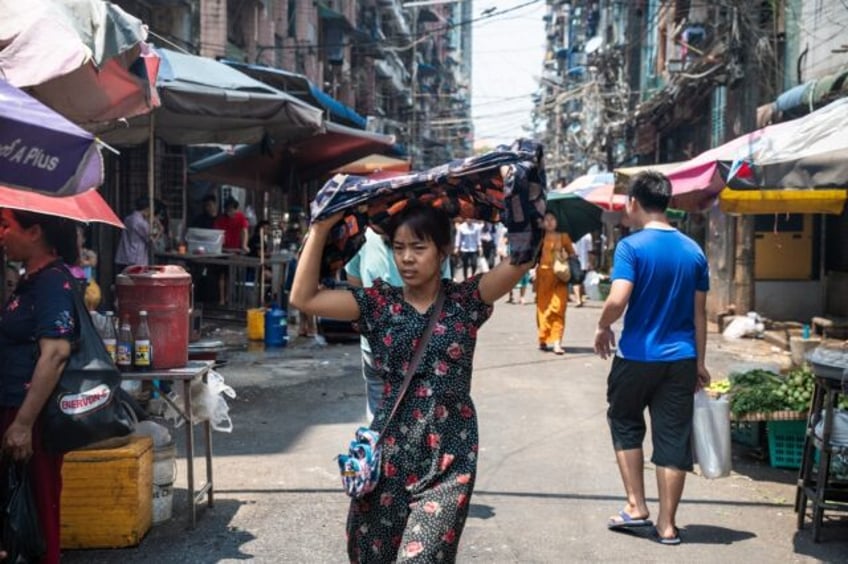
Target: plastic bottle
<point>143,355</point>
<point>124,356</point>
<point>110,336</point>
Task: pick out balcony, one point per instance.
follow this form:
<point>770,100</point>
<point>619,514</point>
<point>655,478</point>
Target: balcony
<point>394,11</point>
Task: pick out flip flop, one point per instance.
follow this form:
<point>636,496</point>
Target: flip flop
<point>667,541</point>
<point>627,522</point>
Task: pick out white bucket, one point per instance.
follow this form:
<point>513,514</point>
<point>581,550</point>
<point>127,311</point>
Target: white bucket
<point>163,502</point>
<point>165,464</point>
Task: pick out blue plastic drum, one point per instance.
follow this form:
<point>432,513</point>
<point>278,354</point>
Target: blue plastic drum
<point>276,327</point>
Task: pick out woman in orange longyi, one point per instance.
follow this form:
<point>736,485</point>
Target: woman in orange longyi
<point>551,293</point>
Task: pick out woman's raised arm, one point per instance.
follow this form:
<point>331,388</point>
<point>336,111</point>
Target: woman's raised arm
<point>306,295</point>
<point>501,279</point>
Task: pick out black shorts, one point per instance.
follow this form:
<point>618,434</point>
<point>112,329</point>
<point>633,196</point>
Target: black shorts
<point>667,390</point>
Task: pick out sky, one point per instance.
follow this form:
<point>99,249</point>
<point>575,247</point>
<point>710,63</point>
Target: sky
<point>507,55</point>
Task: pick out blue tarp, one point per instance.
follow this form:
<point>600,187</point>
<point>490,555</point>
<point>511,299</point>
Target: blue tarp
<point>299,86</point>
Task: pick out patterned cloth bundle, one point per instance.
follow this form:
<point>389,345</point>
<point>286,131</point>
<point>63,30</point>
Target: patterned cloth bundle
<point>507,184</point>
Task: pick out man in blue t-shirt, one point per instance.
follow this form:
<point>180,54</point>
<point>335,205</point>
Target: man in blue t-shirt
<point>375,260</point>
<point>661,277</point>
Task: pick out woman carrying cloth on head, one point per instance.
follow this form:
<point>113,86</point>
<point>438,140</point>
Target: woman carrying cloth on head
<point>429,465</point>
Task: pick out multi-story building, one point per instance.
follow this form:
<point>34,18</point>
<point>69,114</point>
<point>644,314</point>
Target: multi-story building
<point>407,68</point>
<point>659,81</point>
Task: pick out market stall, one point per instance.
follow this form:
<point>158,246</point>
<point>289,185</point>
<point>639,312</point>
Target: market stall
<point>244,274</point>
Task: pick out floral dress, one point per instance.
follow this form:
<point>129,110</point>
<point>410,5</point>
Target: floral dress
<point>418,509</point>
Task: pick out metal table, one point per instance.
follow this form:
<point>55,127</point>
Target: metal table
<point>817,487</point>
<point>241,293</point>
<point>195,369</point>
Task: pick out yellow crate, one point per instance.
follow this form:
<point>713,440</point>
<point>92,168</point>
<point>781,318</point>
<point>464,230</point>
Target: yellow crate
<point>107,496</point>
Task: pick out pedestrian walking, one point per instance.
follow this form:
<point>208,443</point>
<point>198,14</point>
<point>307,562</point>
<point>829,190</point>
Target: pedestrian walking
<point>551,292</point>
<point>661,277</point>
<point>583,247</point>
<point>469,245</point>
<point>419,506</point>
<point>488,243</point>
<point>373,262</point>
<point>523,283</point>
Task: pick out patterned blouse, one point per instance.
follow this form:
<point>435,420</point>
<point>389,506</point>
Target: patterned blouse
<point>42,306</point>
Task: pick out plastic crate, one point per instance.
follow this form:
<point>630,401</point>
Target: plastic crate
<point>786,443</point>
<point>204,241</point>
<point>746,433</point>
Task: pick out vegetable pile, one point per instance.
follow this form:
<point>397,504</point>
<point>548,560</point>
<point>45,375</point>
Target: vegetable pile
<point>763,391</point>
<point>755,391</point>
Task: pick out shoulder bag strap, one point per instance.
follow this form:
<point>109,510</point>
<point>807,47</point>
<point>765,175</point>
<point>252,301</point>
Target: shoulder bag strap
<point>416,357</point>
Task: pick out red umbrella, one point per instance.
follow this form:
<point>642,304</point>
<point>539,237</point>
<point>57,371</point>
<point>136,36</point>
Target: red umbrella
<point>85,207</point>
<point>597,189</point>
<point>603,195</point>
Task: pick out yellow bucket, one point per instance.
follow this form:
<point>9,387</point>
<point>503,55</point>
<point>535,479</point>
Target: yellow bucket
<point>256,324</point>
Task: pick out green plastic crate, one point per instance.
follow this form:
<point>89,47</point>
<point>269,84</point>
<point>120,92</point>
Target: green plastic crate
<point>786,443</point>
<point>746,433</point>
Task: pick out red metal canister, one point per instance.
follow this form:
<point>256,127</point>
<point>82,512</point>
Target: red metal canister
<point>165,293</point>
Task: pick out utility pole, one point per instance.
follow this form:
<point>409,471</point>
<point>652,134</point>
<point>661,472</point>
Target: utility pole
<point>558,138</point>
<point>413,124</point>
<point>745,121</point>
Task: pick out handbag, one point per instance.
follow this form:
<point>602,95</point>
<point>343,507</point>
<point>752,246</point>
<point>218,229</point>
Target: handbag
<point>20,531</point>
<point>360,467</point>
<point>85,406</point>
<point>561,266</point>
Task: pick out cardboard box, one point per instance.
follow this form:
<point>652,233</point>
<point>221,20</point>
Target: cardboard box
<point>107,496</point>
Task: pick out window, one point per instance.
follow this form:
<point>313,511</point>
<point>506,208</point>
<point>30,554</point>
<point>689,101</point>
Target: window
<point>291,13</point>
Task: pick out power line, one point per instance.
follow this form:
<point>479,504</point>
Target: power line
<point>410,45</point>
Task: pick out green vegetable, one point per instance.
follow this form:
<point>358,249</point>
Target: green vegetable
<point>762,391</point>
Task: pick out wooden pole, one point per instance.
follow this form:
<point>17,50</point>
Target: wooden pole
<point>746,119</point>
<point>151,181</point>
<point>261,274</point>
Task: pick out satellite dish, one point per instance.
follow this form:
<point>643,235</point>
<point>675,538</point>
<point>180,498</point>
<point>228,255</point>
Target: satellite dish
<point>593,44</point>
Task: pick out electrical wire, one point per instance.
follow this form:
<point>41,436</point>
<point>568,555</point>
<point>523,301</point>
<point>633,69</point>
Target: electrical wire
<point>382,42</point>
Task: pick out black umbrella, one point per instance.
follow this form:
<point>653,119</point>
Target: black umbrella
<point>575,215</point>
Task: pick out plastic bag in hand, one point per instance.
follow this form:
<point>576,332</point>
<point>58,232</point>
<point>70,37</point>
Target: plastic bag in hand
<point>711,435</point>
<point>21,531</point>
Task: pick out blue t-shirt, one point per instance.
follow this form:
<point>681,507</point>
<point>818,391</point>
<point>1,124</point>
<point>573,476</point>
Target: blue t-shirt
<point>666,269</point>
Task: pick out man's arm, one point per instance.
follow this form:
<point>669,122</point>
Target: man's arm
<point>701,339</point>
<point>614,308</point>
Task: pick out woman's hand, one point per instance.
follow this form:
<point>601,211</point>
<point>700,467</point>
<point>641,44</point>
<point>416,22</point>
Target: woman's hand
<point>17,441</point>
<point>306,293</point>
<point>326,224</point>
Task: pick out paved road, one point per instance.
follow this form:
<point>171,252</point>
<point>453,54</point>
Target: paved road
<point>547,479</point>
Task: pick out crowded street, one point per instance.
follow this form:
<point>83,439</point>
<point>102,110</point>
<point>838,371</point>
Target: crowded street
<point>547,477</point>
